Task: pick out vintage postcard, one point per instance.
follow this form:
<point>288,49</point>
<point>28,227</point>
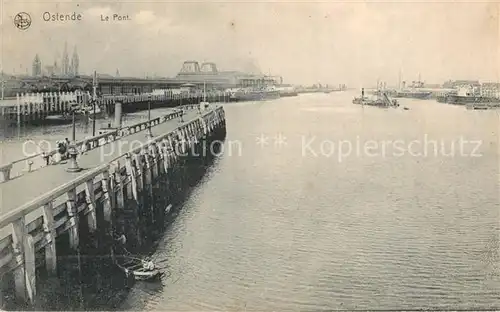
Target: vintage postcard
<point>249,155</point>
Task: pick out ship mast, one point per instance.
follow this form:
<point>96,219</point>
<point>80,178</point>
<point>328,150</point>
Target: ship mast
<point>94,85</point>
<point>3,85</point>
<point>399,80</point>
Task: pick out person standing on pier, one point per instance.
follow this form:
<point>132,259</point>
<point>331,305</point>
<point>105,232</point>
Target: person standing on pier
<point>66,143</point>
<point>61,150</point>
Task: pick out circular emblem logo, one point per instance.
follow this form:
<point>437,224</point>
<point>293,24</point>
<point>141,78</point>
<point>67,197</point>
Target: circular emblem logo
<point>22,20</point>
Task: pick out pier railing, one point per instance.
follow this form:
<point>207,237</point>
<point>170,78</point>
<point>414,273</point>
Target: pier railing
<point>31,163</point>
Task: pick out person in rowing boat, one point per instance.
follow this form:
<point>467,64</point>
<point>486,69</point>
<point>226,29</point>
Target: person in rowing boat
<point>122,239</point>
<point>148,265</point>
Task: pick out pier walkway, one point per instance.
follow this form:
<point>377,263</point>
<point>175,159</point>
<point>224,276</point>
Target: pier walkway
<point>29,186</point>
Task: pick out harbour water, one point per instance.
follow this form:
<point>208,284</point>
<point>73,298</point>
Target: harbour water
<point>281,221</point>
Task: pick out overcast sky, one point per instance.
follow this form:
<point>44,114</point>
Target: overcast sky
<point>308,42</point>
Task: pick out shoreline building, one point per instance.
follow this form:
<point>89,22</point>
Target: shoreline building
<point>75,63</point>
<point>490,90</point>
<point>37,67</point>
<point>65,61</point>
<point>207,72</point>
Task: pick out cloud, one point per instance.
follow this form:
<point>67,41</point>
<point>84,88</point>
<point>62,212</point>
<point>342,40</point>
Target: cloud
<point>145,17</point>
<point>98,11</point>
<point>303,41</point>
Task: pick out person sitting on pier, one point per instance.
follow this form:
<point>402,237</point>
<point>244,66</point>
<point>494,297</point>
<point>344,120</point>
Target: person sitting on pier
<point>61,151</point>
<point>67,143</point>
<point>86,145</point>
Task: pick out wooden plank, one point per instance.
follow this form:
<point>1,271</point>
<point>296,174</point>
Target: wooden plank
<point>5,243</point>
<point>139,166</point>
<point>35,224</point>
<point>72,223</point>
<point>37,236</point>
<point>18,233</point>
<point>90,198</point>
<point>6,259</point>
<point>59,209</point>
<point>108,198</point>
<point>60,222</point>
<point>50,235</point>
<point>132,175</point>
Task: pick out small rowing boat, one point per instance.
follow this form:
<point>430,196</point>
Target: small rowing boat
<point>140,269</point>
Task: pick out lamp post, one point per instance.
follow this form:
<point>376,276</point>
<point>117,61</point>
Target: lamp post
<point>94,99</point>
<point>93,118</point>
<point>3,85</point>
<point>149,135</point>
<point>73,153</point>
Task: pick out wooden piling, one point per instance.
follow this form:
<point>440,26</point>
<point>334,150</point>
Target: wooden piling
<point>50,234</point>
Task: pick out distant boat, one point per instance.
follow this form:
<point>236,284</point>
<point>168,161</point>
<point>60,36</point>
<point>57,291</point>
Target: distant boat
<point>413,94</point>
<point>81,114</point>
<point>483,105</point>
<point>255,94</point>
<point>468,99</point>
<point>287,91</point>
<point>59,119</point>
<point>381,100</point>
<point>89,111</point>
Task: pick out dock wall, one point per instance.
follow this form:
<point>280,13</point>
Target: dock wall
<point>125,196</point>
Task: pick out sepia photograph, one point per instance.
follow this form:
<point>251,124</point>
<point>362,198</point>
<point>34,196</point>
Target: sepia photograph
<point>249,155</point>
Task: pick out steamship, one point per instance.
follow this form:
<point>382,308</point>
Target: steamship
<point>255,94</point>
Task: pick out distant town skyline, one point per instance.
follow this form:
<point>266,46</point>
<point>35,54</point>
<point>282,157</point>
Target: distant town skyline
<point>58,67</point>
<point>354,43</point>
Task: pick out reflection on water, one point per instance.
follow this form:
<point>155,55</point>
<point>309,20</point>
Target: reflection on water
<point>279,229</point>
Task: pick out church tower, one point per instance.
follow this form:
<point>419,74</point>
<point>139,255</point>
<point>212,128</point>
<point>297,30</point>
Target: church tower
<point>65,60</point>
<point>37,67</point>
<point>75,63</point>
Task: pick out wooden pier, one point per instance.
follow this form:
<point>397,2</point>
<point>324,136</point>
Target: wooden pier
<point>47,212</point>
<point>35,107</point>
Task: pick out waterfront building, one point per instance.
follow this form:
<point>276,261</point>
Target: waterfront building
<point>48,70</point>
<point>61,66</point>
<point>65,61</point>
<point>490,89</point>
<point>208,72</point>
<point>456,84</point>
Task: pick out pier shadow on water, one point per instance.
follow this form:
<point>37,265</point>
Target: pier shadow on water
<point>91,281</point>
